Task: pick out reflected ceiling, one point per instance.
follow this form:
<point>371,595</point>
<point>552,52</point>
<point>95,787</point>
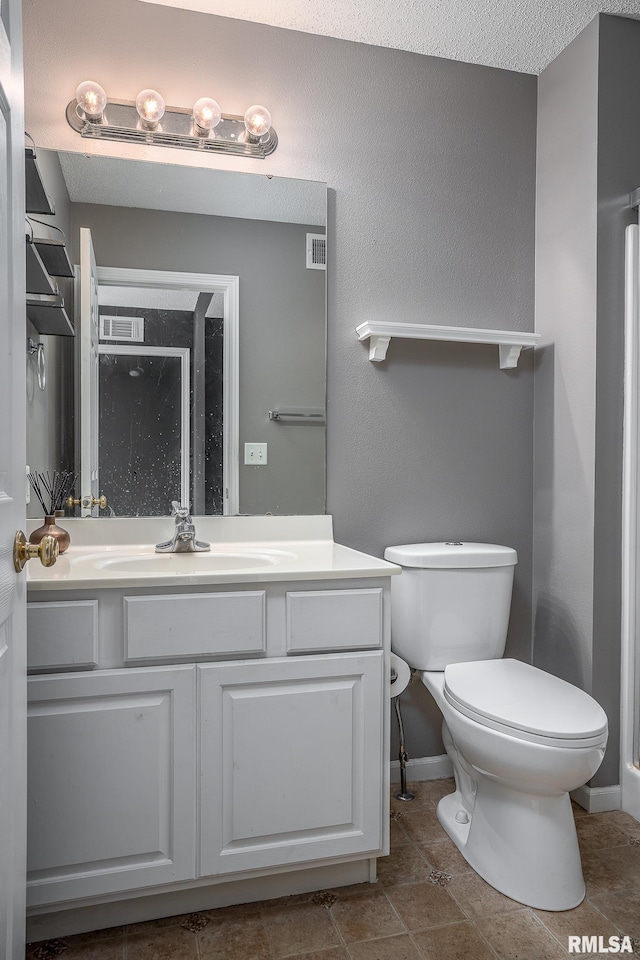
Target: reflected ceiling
<point>94,179</point>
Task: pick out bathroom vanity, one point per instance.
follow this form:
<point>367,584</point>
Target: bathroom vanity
<point>204,729</point>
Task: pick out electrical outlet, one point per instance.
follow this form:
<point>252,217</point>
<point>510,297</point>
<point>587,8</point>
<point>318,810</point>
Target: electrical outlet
<point>255,454</point>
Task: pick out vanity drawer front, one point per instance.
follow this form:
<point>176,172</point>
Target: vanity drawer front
<point>333,620</point>
<point>194,625</point>
<point>62,635</point>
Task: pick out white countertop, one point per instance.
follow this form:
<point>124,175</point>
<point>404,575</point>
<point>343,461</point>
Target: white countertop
<point>258,550</point>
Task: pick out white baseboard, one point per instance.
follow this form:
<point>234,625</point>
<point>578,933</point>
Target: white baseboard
<point>592,799</point>
<point>423,768</point>
<point>598,799</point>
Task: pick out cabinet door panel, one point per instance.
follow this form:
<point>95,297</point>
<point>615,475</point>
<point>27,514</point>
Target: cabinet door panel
<point>111,782</point>
<point>291,760</point>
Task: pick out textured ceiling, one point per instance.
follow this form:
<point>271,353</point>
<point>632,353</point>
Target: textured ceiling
<point>522,35</point>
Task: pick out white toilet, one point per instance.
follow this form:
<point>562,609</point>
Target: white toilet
<point>519,739</point>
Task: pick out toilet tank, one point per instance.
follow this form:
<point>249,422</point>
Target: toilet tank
<point>452,602</point>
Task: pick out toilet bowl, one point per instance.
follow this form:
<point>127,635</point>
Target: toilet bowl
<point>519,739</point>
<point>510,814</point>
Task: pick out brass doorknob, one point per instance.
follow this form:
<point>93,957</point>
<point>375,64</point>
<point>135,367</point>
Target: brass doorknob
<point>47,550</point>
<point>87,502</point>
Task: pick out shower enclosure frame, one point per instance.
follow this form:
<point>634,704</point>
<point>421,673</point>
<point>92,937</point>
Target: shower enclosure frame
<point>183,354</point>
<point>630,653</point>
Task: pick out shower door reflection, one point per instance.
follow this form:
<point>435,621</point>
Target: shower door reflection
<point>144,427</point>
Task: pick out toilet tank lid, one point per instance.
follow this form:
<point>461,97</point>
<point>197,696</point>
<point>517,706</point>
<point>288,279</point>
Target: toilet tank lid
<point>451,554</point>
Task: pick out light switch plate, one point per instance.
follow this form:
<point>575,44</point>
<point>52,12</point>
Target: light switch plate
<point>255,454</point>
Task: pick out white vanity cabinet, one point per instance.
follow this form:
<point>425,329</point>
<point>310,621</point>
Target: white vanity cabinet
<point>265,752</point>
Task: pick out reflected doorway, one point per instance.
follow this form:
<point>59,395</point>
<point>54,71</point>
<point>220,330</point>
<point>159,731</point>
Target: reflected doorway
<point>194,459</point>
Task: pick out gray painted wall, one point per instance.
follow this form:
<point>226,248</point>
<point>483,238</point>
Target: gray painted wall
<point>588,163</point>
<point>282,330</point>
<point>566,366</point>
<point>431,170</point>
<point>618,175</point>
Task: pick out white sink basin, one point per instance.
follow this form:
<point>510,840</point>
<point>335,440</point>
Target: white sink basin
<point>188,563</point>
<point>180,563</point>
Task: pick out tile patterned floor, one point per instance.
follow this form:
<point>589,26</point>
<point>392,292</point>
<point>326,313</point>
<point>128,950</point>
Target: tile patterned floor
<point>427,905</point>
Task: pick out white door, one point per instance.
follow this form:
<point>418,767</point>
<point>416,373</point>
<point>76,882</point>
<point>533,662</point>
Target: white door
<point>12,486</point>
<point>291,754</point>
<point>89,407</point>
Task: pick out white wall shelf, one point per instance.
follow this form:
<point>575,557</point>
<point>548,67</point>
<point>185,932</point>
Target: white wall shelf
<point>510,342</point>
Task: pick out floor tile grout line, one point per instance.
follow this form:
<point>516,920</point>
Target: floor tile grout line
<point>440,926</point>
<point>433,925</point>
<point>613,923</point>
<point>486,916</point>
<point>265,927</point>
<point>407,932</point>
<point>545,927</point>
<point>420,853</point>
<point>395,911</point>
<point>382,890</point>
<point>595,907</point>
<point>414,845</point>
<point>484,940</point>
<point>335,924</point>
<point>416,946</point>
<point>613,846</point>
<point>302,953</point>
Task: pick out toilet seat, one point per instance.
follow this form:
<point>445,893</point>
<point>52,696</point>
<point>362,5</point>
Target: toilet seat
<point>524,702</point>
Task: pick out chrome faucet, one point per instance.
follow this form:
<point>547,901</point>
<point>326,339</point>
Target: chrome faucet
<point>184,535</point>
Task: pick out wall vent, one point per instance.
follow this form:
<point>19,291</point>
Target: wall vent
<point>122,328</point>
<point>316,251</point>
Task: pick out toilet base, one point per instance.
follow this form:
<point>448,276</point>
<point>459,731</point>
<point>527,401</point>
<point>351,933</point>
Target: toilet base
<point>524,845</point>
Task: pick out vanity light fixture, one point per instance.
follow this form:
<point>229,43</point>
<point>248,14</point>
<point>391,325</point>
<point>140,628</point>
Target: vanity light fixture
<point>148,120</point>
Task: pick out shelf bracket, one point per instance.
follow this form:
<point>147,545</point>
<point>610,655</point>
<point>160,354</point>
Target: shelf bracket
<point>378,348</point>
<point>509,355</point>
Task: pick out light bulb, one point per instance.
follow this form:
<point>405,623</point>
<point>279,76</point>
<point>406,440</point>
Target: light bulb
<point>257,120</point>
<point>206,115</point>
<point>92,100</point>
<point>150,107</point>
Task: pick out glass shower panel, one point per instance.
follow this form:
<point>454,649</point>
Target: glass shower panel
<point>141,445</point>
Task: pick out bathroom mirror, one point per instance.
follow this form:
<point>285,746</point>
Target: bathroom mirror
<point>178,417</point>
